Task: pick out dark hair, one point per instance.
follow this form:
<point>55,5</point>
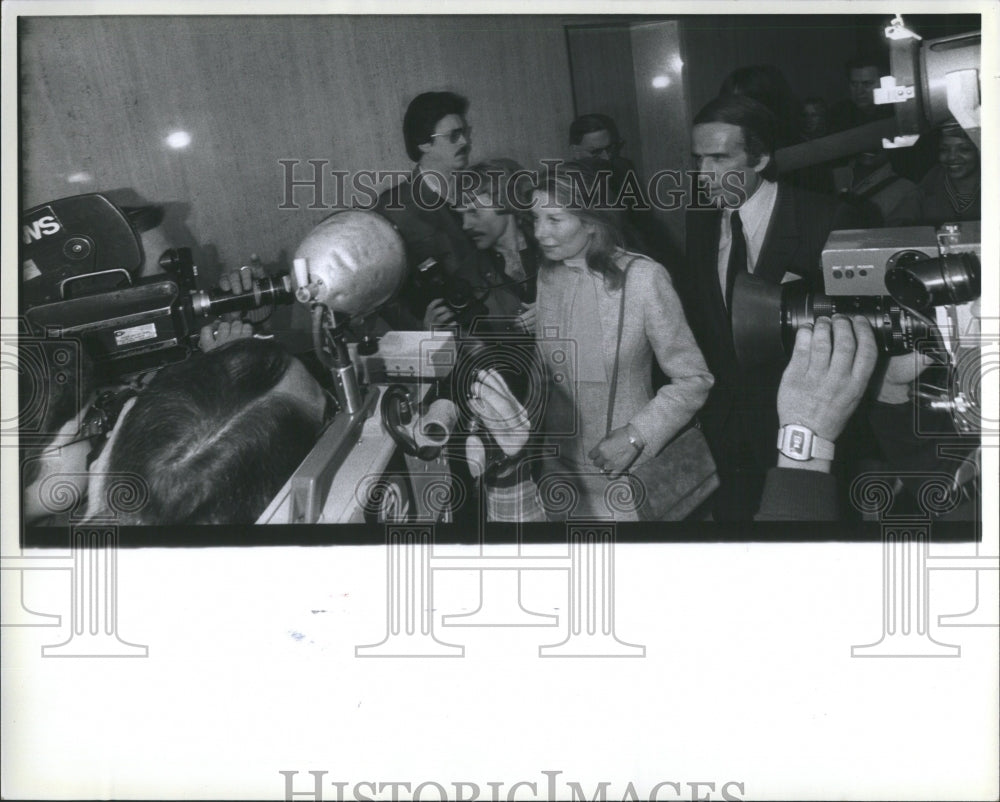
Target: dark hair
<point>509,187</point>
<point>878,60</point>
<point>947,129</point>
<point>951,127</point>
<point>589,124</point>
<point>211,440</point>
<point>766,84</point>
<point>584,192</point>
<point>755,122</point>
<point>424,113</point>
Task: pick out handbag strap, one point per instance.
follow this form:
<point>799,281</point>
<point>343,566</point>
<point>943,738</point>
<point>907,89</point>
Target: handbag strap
<point>618,344</point>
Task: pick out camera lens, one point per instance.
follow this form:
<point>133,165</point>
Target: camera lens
<point>951,279</point>
<point>766,317</point>
<point>896,330</point>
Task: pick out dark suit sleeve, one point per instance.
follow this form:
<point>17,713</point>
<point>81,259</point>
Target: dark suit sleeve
<point>797,495</point>
<point>847,216</point>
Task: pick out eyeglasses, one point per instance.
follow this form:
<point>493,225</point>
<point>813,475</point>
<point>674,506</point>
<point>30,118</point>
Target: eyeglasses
<point>611,150</point>
<point>464,131</point>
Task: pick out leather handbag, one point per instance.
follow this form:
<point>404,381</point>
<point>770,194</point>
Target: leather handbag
<point>671,485</point>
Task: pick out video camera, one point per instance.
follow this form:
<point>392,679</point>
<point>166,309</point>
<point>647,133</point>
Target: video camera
<point>918,287</point>
<point>897,278</point>
<point>80,260</point>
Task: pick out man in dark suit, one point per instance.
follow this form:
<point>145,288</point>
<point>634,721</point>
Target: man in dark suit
<point>747,221</point>
<point>438,139</point>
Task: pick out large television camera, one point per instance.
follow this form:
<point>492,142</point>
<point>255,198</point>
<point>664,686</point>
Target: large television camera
<point>903,280</point>
<point>918,287</point>
<point>81,257</point>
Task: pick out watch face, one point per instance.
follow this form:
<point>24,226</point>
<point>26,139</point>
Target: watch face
<point>797,441</point>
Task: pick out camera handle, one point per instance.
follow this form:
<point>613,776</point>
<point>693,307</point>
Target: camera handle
<point>91,276</point>
<point>397,415</point>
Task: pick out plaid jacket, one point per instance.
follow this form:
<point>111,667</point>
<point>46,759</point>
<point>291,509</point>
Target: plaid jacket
<point>514,498</point>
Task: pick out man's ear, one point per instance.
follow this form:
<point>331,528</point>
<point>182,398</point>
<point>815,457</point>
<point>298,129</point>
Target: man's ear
<point>99,467</point>
<point>578,152</point>
<point>101,463</point>
<point>426,146</point>
<point>762,163</point>
<point>126,407</point>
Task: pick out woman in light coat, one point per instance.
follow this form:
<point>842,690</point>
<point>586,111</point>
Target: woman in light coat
<point>576,318</point>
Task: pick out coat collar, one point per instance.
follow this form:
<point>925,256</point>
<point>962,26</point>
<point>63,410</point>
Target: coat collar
<point>568,282</point>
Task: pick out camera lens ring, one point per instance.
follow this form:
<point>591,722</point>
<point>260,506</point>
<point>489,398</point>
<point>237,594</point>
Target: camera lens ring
<point>906,257</point>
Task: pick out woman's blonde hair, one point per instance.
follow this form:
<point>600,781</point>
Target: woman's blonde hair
<point>586,193</point>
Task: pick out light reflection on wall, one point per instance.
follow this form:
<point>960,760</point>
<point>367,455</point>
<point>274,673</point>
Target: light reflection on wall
<point>178,140</point>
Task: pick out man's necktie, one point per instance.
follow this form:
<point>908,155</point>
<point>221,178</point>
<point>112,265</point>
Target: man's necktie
<point>737,256</point>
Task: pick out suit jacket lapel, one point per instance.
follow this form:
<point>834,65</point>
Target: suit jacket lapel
<point>781,240</point>
<point>714,313</point>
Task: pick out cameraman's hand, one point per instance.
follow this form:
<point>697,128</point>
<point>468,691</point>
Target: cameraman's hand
<point>896,382</point>
<point>826,378</point>
<point>438,314</point>
<point>215,335</point>
<point>527,317</point>
<point>238,281</point>
<point>498,409</point>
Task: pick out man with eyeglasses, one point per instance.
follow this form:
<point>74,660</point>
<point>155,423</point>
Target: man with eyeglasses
<point>438,139</point>
<point>594,140</point>
<point>594,136</point>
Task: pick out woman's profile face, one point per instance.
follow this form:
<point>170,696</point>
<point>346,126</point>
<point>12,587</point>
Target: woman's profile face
<point>561,234</point>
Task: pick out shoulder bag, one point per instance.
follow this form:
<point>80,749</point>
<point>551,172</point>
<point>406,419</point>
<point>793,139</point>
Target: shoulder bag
<point>671,485</point>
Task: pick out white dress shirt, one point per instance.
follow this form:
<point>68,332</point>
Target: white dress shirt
<point>755,214</point>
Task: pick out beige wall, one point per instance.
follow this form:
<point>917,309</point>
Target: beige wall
<point>100,94</point>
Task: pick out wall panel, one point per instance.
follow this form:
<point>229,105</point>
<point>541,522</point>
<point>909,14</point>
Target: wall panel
<point>601,61</point>
<point>100,94</point>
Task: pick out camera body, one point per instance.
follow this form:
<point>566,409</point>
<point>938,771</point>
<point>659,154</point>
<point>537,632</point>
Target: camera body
<point>432,280</point>
<point>855,261</point>
<point>935,271</point>
<point>80,261</point>
<point>913,285</point>
<point>130,329</point>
